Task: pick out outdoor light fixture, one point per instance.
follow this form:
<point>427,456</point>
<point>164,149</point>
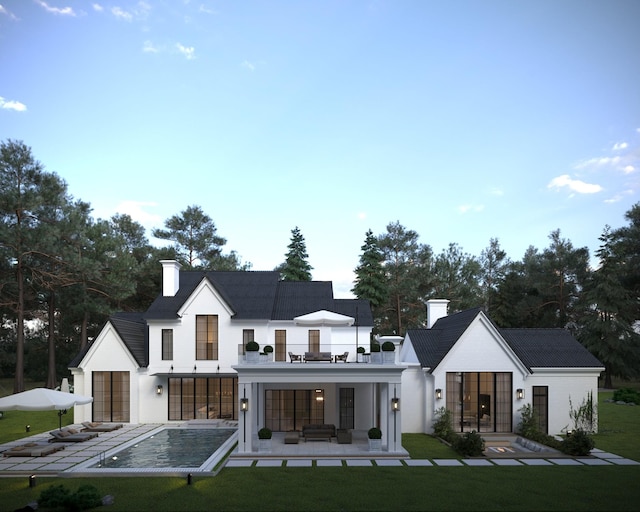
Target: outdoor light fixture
<point>438,393</point>
<point>171,369</point>
<point>395,404</point>
<point>32,481</point>
<point>27,428</point>
<point>519,393</point>
<point>319,395</point>
<point>159,389</point>
<point>244,404</point>
<point>194,368</point>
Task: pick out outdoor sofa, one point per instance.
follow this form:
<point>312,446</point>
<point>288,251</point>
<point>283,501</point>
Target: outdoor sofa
<point>90,426</point>
<point>318,431</point>
<point>32,450</point>
<point>317,356</point>
<point>71,435</point>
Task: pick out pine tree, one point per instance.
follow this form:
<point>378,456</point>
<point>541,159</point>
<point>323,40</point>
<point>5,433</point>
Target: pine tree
<point>296,267</point>
<point>370,283</point>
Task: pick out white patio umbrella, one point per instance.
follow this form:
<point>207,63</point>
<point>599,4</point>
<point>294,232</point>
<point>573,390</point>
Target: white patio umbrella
<point>43,399</point>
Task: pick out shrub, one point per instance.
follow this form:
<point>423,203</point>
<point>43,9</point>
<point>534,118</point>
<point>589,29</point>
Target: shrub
<point>59,497</point>
<point>388,346</point>
<point>528,425</point>
<point>469,444</point>
<point>264,433</point>
<point>442,426</point>
<point>374,433</point>
<point>375,347</point>
<point>361,350</point>
<point>252,346</point>
<point>268,349</point>
<point>577,442</point>
<point>626,395</point>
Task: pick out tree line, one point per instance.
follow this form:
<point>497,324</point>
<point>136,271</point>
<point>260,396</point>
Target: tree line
<point>62,272</point>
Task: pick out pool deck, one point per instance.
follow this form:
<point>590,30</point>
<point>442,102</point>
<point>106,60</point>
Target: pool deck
<point>75,458</point>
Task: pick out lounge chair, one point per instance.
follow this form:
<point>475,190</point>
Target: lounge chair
<point>71,435</point>
<point>295,357</point>
<point>341,357</point>
<point>90,426</point>
<point>32,450</point>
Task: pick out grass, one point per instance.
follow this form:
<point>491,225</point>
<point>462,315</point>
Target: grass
<point>383,488</point>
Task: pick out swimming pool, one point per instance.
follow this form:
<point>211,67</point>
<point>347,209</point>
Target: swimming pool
<point>196,449</point>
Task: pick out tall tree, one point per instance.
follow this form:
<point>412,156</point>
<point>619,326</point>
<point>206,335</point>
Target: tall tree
<point>408,271</point>
<point>28,196</point>
<point>296,267</point>
<point>609,314</point>
<point>457,278</point>
<point>194,236</point>
<point>494,265</point>
<point>370,283</point>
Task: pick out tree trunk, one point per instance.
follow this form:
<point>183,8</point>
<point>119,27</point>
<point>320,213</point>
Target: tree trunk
<point>83,330</point>
<point>51,374</point>
<point>18,382</point>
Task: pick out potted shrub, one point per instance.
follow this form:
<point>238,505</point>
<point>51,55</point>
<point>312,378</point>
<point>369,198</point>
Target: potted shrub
<point>360,354</point>
<point>376,356</point>
<point>269,351</point>
<point>252,349</point>
<point>264,439</point>
<point>375,439</point>
<point>388,352</point>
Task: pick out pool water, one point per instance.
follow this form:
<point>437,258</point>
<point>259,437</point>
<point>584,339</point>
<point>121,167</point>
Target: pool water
<point>171,448</point>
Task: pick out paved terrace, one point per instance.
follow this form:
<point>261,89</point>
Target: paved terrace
<point>304,454</point>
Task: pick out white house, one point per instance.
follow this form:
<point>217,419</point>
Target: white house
<point>484,374</point>
<point>184,358</point>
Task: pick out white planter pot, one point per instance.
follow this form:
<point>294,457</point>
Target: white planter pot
<point>360,358</point>
<point>253,357</point>
<point>388,357</point>
<point>375,445</point>
<point>264,358</point>
<point>264,445</point>
<point>376,357</point>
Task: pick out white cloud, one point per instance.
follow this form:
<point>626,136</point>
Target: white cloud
<point>187,51</point>
<point>4,11</point>
<point>121,14</point>
<point>63,11</point>
<point>248,65</point>
<point>203,8</point>
<point>12,105</point>
<point>466,208</point>
<point>577,186</point>
<point>619,197</point>
<point>97,7</point>
<point>598,162</point>
<point>620,145</point>
<point>135,209</point>
<point>148,47</point>
<point>496,192</point>
<point>629,169</point>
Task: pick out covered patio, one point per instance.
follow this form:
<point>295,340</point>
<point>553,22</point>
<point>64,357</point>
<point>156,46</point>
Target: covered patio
<point>348,396</point>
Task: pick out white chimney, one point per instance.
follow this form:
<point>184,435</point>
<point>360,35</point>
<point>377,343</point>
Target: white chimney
<point>170,277</point>
<point>436,309</point>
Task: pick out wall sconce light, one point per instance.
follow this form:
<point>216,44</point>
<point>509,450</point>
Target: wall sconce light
<point>194,368</point>
<point>171,369</point>
<point>319,395</point>
<point>159,389</point>
<point>519,393</point>
<point>395,404</point>
<point>438,394</point>
<point>244,404</point>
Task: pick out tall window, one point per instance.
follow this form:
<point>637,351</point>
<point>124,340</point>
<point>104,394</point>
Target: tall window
<point>290,409</point>
<point>111,396</point>
<point>167,344</point>
<point>314,340</point>
<point>281,345</point>
<point>203,398</point>
<point>207,337</point>
<point>541,407</point>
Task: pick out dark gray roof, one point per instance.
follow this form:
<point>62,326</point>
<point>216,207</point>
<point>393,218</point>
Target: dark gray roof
<point>549,348</point>
<point>536,348</point>
<point>252,295</point>
<point>132,329</point>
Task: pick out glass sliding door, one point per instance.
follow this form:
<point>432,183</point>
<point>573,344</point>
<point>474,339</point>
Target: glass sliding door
<point>290,409</point>
<point>202,398</point>
<point>111,396</point>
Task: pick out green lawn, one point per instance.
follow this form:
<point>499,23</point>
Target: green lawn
<point>382,488</point>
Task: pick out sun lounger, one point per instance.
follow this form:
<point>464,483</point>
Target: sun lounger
<point>100,427</point>
<point>70,435</point>
<point>32,450</point>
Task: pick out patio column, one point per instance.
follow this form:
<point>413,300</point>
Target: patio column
<point>246,417</point>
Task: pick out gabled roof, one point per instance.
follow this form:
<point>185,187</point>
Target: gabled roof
<point>536,348</point>
<point>132,329</point>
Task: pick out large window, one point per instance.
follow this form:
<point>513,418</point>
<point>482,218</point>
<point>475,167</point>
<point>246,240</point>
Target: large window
<point>347,407</point>
<point>167,344</point>
<point>314,340</point>
<point>541,407</point>
<point>207,337</point>
<point>203,398</point>
<point>281,345</point>
<point>290,409</point>
<point>480,401</point>
<point>111,396</point>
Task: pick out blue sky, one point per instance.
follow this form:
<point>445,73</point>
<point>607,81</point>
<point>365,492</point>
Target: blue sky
<point>462,120</point>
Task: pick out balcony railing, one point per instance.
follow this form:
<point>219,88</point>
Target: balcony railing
<point>293,353</point>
